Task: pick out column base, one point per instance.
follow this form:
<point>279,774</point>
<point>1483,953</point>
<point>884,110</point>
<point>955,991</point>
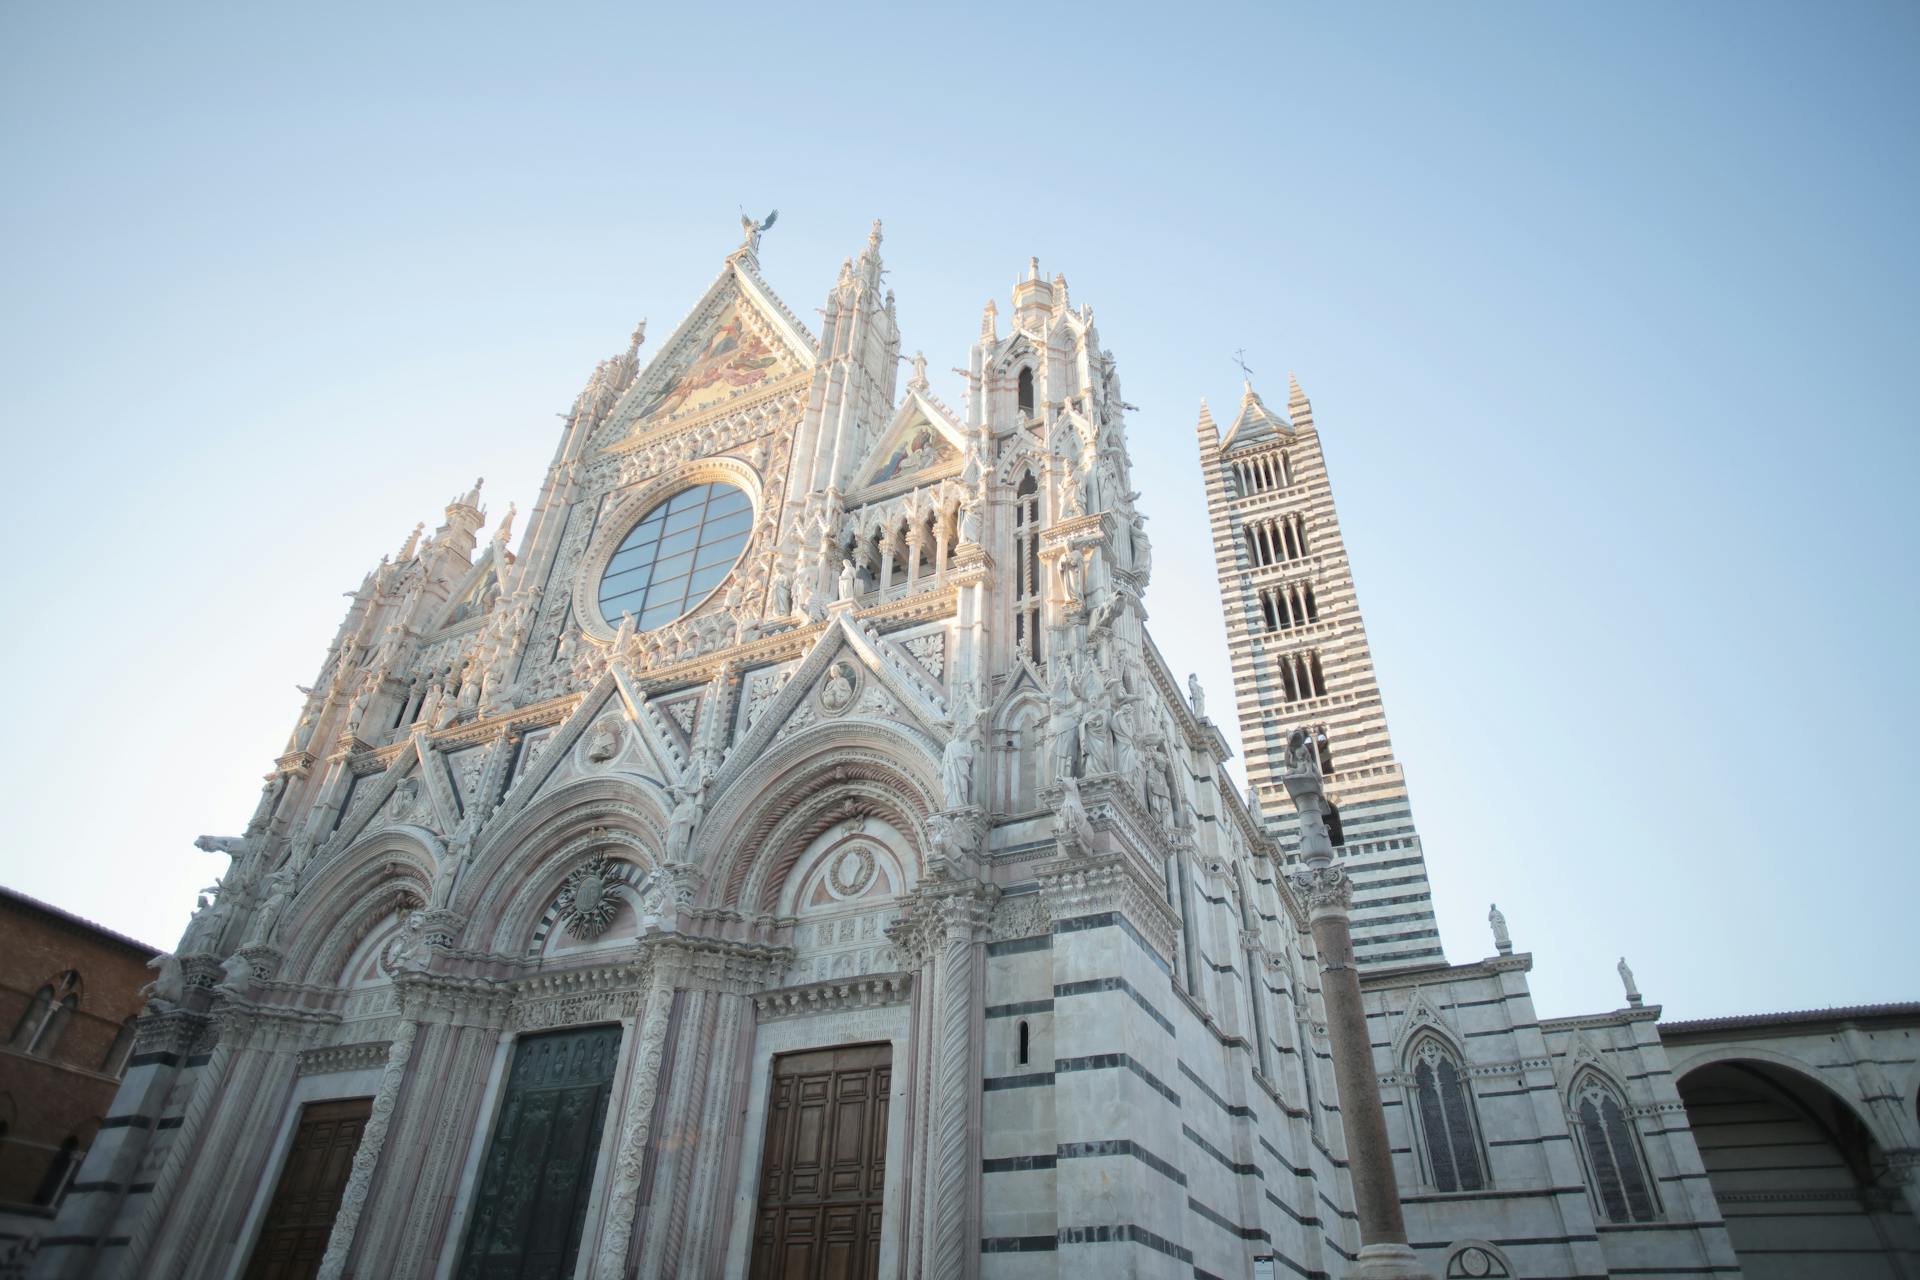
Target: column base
<point>1388,1262</point>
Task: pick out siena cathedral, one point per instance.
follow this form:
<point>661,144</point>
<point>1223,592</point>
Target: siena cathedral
<point>797,860</point>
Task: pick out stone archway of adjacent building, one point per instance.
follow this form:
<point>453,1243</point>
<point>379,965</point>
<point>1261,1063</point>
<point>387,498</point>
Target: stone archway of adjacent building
<point>1803,1184</point>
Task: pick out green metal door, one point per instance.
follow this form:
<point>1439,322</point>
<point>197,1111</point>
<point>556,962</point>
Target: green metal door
<point>538,1172</point>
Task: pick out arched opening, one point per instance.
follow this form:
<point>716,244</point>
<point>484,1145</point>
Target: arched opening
<point>1024,395</point>
<point>1803,1186</point>
<point>120,1050</point>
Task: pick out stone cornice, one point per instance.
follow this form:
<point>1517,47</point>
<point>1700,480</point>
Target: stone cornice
<point>1590,1021</point>
<point>329,1059</point>
<point>1415,976</point>
<point>834,997</point>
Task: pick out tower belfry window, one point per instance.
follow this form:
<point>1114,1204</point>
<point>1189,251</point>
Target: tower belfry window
<point>1026,567</point>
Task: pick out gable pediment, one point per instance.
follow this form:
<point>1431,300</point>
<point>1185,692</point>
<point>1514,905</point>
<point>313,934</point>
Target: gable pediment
<point>922,441</point>
<point>737,339</point>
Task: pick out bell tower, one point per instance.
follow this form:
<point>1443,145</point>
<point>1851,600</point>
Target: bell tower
<point>1300,661</point>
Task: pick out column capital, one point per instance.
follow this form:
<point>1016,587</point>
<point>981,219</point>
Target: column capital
<point>1323,891</point>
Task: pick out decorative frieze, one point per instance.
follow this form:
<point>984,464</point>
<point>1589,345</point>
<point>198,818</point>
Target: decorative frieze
<point>833,997</point>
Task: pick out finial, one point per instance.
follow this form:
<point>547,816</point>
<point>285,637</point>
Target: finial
<point>505,530</point>
<point>873,236</point>
<point>473,495</point>
<point>1033,268</point>
<point>919,378</point>
<point>750,242</point>
<point>989,323</point>
<point>1246,374</point>
<point>639,336</point>
<point>1059,291</point>
<point>413,541</point>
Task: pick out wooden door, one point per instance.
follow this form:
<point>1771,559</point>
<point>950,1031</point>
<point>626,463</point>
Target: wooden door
<point>300,1215</point>
<point>538,1172</point>
<point>824,1165</point>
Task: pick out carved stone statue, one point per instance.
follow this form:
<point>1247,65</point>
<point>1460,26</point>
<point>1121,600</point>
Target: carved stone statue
<point>229,845</point>
<point>169,985</point>
<point>837,690</point>
<point>1196,695</point>
<point>1072,583</point>
<point>1063,724</point>
<point>682,821</point>
<point>1071,822</point>
<point>956,765</point>
<point>1626,980</point>
<point>1496,918</point>
<point>849,581</point>
<point>781,597</point>
<point>603,744</point>
<point>280,890</point>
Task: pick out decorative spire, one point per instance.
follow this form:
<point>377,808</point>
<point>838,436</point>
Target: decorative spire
<point>1208,429</point>
<point>1298,408</point>
<point>989,324</point>
<point>412,542</point>
<point>505,530</point>
<point>473,495</point>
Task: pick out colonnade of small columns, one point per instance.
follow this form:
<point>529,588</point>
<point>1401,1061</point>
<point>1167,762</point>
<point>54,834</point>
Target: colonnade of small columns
<point>905,552</point>
<point>1262,473</point>
<point>1283,608</point>
<point>1277,540</point>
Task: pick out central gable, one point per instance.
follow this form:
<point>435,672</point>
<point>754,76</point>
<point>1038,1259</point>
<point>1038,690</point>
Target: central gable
<point>739,337</point>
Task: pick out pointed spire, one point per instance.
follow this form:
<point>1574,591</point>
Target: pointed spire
<point>1298,407</point>
<point>990,324</point>
<point>473,495</point>
<point>1059,291</point>
<point>412,543</point>
<point>505,530</point>
<point>868,267</point>
<point>1208,430</point>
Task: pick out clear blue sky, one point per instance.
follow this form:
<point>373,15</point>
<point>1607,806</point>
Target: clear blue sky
<point>1607,313</point>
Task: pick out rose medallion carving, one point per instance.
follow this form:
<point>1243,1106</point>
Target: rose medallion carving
<point>587,903</point>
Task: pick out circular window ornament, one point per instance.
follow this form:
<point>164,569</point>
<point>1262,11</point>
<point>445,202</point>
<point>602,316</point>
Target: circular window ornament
<point>674,557</point>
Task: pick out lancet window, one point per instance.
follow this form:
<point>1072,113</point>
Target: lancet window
<point>1026,567</point>
<point>1443,1112</point>
<point>1619,1179</point>
<point>1024,393</point>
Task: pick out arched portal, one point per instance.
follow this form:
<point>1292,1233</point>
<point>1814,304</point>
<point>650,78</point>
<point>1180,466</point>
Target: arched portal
<point>1803,1186</point>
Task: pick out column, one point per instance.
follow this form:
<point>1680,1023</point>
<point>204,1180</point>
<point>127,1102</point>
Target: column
<point>367,1158</point>
<point>1327,893</point>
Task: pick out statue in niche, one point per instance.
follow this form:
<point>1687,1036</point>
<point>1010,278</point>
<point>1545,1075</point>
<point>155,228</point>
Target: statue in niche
<point>281,887</point>
<point>1063,722</point>
<point>849,581</point>
<point>1072,581</point>
<point>684,818</point>
<point>1159,790</point>
<point>836,694</point>
<point>956,762</point>
<point>781,597</point>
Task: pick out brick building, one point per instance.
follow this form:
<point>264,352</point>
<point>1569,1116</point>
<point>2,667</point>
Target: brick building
<point>69,990</point>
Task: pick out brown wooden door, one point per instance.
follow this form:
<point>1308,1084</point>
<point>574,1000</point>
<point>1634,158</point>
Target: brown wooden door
<point>300,1216</point>
<point>825,1165</point>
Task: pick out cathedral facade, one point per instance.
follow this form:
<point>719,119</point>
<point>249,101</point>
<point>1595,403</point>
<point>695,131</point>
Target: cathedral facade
<point>797,860</point>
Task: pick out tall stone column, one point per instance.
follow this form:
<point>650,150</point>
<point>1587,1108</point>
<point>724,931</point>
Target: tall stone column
<point>1327,893</point>
<point>944,927</point>
<point>366,1158</point>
